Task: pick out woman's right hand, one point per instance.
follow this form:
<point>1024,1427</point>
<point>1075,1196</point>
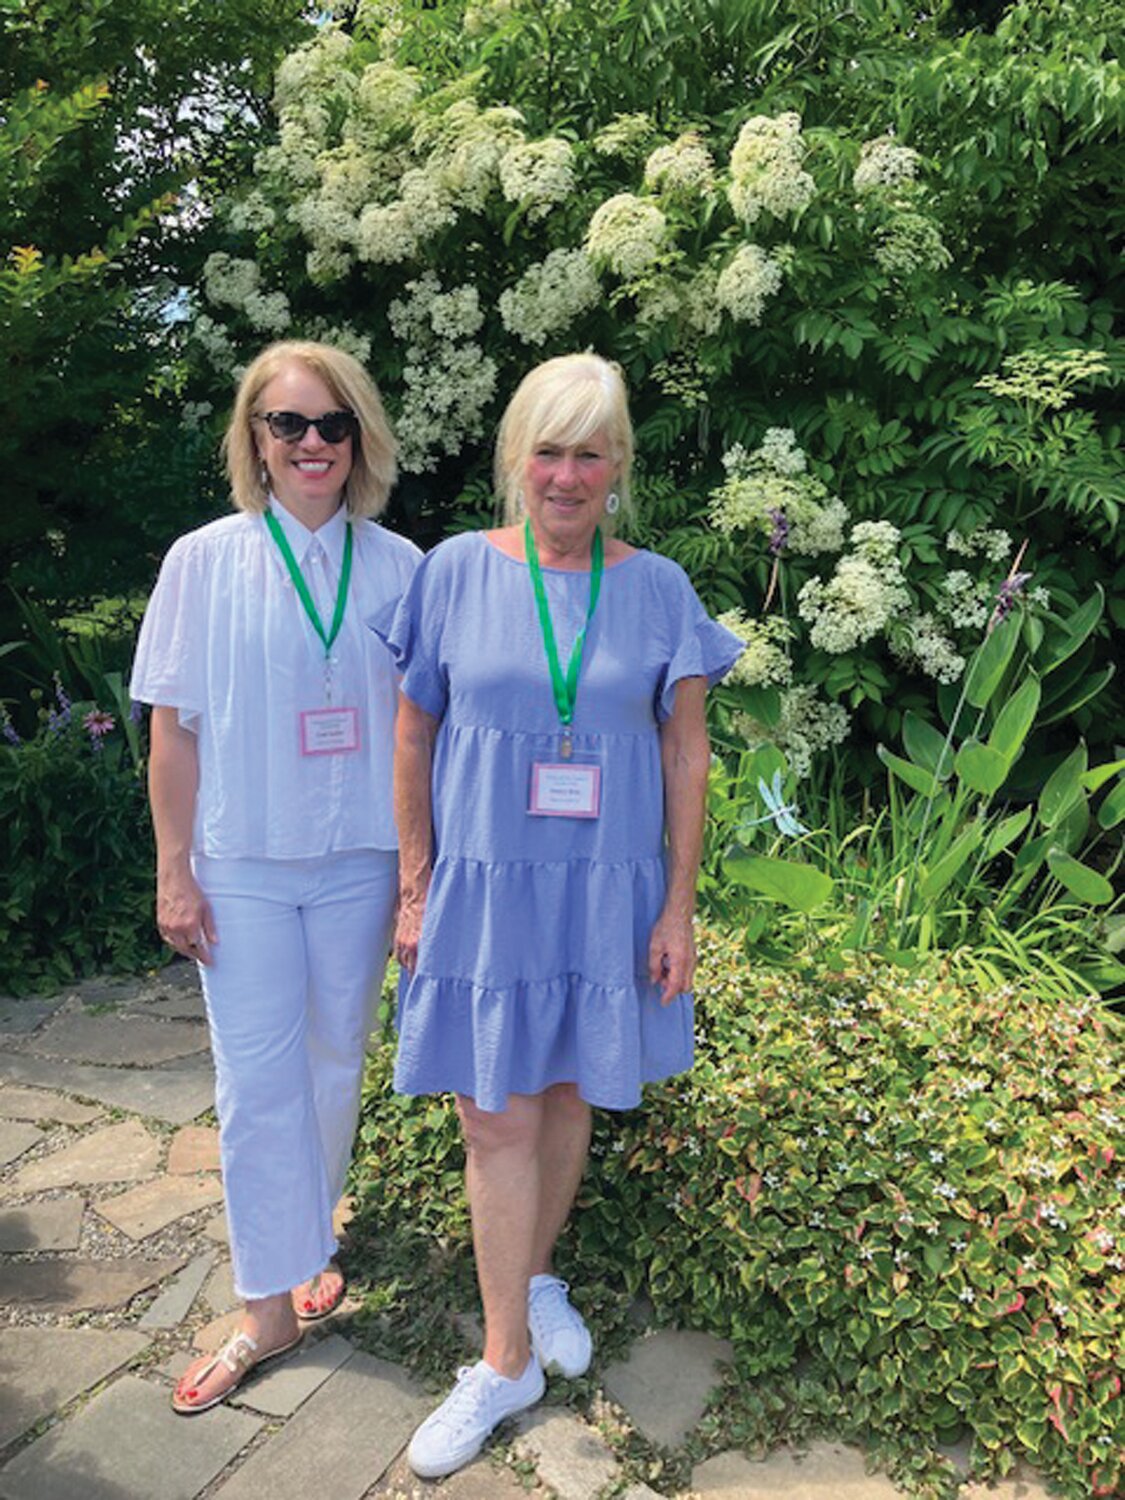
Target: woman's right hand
<point>408,930</point>
<point>183,915</point>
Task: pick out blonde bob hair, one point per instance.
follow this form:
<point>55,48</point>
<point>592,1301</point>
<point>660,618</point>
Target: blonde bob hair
<point>565,400</point>
<point>373,470</point>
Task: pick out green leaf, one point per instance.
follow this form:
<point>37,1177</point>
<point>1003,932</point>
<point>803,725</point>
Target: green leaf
<point>1112,809</point>
<point>1099,775</point>
<point>905,770</point>
<point>1063,788</point>
<point>1089,689</point>
<point>926,746</point>
<point>1079,879</point>
<point>1006,832</point>
<point>981,768</point>
<point>763,704</point>
<point>1033,853</point>
<point>798,886</point>
<point>991,662</point>
<point>1015,719</point>
<point>1074,631</point>
<point>936,880</point>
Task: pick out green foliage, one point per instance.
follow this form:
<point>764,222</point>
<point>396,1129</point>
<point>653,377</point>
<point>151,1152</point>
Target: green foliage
<point>76,843</point>
<point>907,1186</point>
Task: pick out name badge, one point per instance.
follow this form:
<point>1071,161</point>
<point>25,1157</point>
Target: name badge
<point>329,731</point>
<point>566,791</point>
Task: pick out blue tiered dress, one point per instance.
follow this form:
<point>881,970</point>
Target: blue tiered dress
<point>533,961</point>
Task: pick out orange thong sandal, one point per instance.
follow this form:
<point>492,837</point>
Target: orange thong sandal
<point>240,1357</point>
<point>308,1309</point>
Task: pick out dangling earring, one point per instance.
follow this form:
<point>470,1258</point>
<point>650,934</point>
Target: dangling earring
<point>612,503</point>
<point>263,475</point>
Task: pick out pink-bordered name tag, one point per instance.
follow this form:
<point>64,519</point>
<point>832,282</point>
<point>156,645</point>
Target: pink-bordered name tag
<point>565,791</point>
<point>329,731</point>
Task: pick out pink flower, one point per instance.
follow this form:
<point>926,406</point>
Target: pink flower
<point>97,724</point>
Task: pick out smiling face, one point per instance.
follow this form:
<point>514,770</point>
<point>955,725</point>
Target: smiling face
<point>564,490</point>
<point>307,476</point>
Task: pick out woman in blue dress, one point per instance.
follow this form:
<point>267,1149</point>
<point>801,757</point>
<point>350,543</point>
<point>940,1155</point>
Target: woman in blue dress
<point>550,775</point>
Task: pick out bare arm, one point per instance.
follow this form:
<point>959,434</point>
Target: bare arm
<point>182,912</point>
<point>685,754</point>
<point>415,731</point>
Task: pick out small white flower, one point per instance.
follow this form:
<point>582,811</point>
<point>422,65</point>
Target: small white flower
<point>967,1295</point>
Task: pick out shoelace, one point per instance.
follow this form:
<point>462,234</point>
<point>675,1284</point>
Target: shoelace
<point>550,1307</point>
<point>465,1400</point>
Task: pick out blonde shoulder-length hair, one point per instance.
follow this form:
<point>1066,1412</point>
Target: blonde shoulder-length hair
<point>564,400</point>
<point>373,470</point>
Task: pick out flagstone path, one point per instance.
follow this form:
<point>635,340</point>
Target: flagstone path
<point>114,1272</point>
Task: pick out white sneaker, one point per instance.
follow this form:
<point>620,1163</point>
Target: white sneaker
<point>455,1433</point>
<point>560,1340</point>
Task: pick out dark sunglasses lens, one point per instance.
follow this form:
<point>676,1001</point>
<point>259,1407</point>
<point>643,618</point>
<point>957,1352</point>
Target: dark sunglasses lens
<point>287,426</point>
<point>335,426</point>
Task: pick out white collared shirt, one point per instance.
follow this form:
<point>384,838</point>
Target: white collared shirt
<point>227,642</point>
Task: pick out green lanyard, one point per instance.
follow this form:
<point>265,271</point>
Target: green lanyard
<point>302,587</point>
<point>565,688</point>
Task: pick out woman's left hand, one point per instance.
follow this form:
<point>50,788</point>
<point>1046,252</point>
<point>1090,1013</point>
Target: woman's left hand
<point>671,955</point>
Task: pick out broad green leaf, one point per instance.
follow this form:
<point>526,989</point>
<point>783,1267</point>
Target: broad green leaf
<point>1072,828</point>
<point>1033,853</point>
<point>798,886</point>
<point>1015,719</point>
<point>1102,974</point>
<point>1099,775</point>
<point>1079,879</point>
<point>926,746</point>
<point>981,768</point>
<point>991,662</point>
<point>1063,788</point>
<point>1006,832</point>
<point>936,880</point>
<point>763,704</point>
<point>1074,631</point>
<point>906,770</point>
<point>1088,690</point>
<point>1112,809</point>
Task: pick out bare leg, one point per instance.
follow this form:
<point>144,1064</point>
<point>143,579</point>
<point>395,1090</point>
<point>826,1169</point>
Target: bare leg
<point>564,1144</point>
<point>503,1179</point>
<point>270,1322</point>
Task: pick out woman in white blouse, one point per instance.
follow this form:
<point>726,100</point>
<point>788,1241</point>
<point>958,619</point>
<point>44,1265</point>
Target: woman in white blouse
<point>270,782</point>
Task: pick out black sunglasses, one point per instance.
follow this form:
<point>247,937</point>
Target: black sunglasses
<point>291,426</point>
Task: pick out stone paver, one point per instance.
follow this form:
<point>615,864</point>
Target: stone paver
<point>281,1389</point>
<point>194,1148</point>
<point>174,1303</point>
<point>483,1479</point>
<point>216,1229</point>
<point>567,1453</point>
<point>1022,1485</point>
<point>665,1382</point>
<point>219,1293</point>
<point>42,1369</point>
<point>175,1093</point>
<point>115,1153</point>
<point>18,1103</point>
<point>144,1210</point>
<point>19,1016</point>
<point>66,1286</point>
<point>828,1471</point>
<point>136,1041</point>
<point>128,1444</point>
<point>340,1442</point>
<point>15,1139</point>
<point>56,1225</point>
<point>640,1492</point>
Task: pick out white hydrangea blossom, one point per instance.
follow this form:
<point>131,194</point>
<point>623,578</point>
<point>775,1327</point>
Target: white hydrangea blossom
<point>966,601</point>
<point>745,282</point>
<point>384,98</point>
<point>252,214</point>
<point>625,135</point>
<point>538,174</point>
<point>883,164</point>
<point>215,342</point>
<point>865,593</point>
<point>685,168</point>
<point>550,296</point>
<point>920,641</point>
<point>268,312</point>
<point>194,413</point>
<point>466,145</point>
<point>341,336</point>
<point>321,61</point>
<point>995,545</point>
<point>910,242</point>
<point>292,161</point>
<point>626,235</point>
<point>806,725</point>
<point>765,662</point>
<point>228,279</point>
<point>766,171</point>
<point>426,311</point>
<point>326,264</point>
<point>772,480</point>
<point>394,232</point>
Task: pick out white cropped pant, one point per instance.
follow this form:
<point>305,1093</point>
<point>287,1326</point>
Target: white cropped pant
<point>291,998</point>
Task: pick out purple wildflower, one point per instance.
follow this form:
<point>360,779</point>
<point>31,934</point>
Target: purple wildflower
<point>136,711</point>
<point>779,536</point>
<point>58,719</point>
<point>1006,597</point>
<point>97,724</point>
<point>8,729</point>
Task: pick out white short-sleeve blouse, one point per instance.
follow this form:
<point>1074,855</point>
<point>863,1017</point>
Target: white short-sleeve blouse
<point>226,641</point>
